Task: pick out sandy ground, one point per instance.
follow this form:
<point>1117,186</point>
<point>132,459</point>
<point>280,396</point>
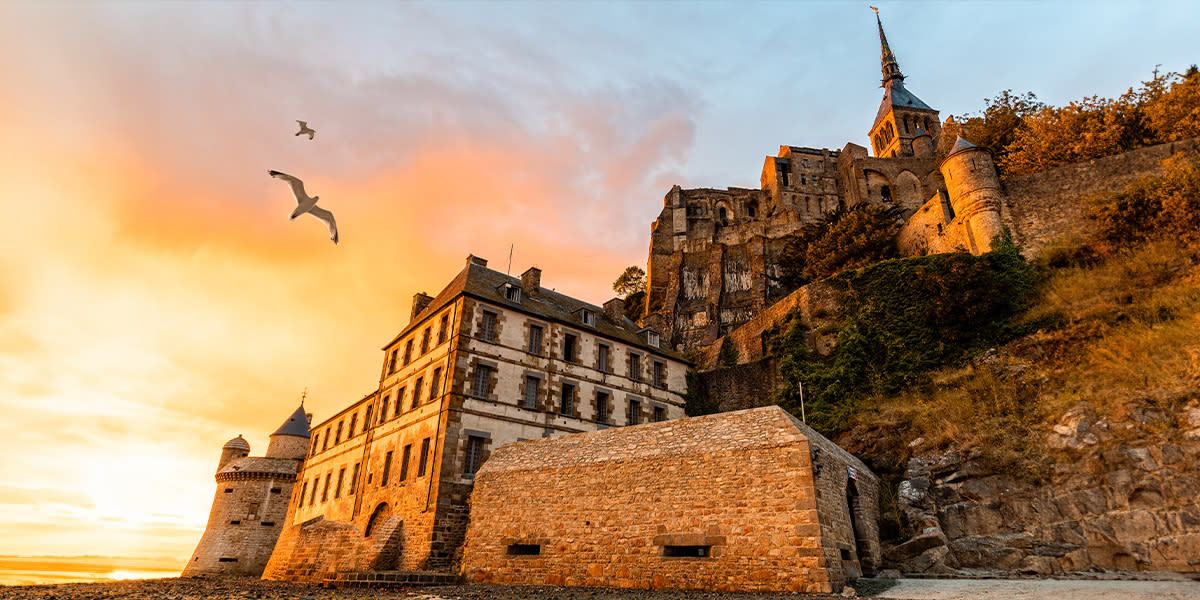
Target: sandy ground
<point>1028,589</point>
<point>903,589</point>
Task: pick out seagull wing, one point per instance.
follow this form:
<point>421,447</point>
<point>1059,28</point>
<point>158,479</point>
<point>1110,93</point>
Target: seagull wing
<point>303,124</point>
<point>327,217</point>
<point>297,185</point>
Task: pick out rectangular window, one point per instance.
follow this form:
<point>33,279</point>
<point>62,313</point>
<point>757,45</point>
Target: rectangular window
<point>487,328</point>
<point>353,422</point>
<point>417,392</point>
<point>399,401</point>
<point>531,392</point>
<point>523,549</point>
<point>602,407</point>
<point>424,457</point>
<point>442,327</point>
<point>303,492</point>
<point>660,375</point>
<point>392,361</point>
<point>404,456</point>
<point>635,367</point>
<point>367,417</point>
<point>474,455</point>
<point>660,414</point>
<point>313,498</point>
<point>483,375</point>
<point>568,394</point>
<point>687,551</point>
<point>785,169</point>
<point>325,490</point>
<point>316,440</point>
<point>588,317</point>
<point>408,352</point>
<point>512,293</point>
<point>337,491</point>
<point>353,479</point>
<point>569,343</point>
<point>387,468</point>
<point>325,440</point>
<point>635,412</point>
<point>435,383</point>
<point>425,341</point>
<point>383,406</point>
<point>602,358</point>
<point>535,339</point>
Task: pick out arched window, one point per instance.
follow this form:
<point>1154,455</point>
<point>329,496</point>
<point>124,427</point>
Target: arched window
<point>750,211</point>
<point>885,193</point>
<point>721,213</point>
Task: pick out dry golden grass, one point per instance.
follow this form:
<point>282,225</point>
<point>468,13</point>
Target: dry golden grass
<point>1120,332</point>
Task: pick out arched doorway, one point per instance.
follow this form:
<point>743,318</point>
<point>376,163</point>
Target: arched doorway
<point>378,517</point>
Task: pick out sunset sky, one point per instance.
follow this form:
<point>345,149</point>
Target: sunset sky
<point>155,301</point>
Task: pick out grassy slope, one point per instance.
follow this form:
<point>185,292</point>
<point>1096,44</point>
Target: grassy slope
<point>1122,334</point>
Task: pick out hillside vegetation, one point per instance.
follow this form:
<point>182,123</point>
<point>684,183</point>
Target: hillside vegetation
<point>984,354</point>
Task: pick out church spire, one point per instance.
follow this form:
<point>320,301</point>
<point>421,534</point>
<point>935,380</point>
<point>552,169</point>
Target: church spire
<point>891,69</point>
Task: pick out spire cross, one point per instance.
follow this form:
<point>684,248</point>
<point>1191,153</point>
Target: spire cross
<point>303,395</point>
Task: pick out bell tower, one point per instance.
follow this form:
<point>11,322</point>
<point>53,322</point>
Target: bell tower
<point>904,126</point>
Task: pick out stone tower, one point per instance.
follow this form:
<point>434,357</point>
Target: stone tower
<point>251,502</point>
<point>975,195</point>
<point>904,126</point>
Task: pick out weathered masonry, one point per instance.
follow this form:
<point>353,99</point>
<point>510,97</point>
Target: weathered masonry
<point>490,360</point>
<point>251,502</point>
<point>751,500</point>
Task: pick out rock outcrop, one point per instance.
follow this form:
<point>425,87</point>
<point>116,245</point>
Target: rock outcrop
<point>1115,499</point>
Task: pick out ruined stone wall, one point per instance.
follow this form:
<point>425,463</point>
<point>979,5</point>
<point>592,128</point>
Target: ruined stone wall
<point>750,502</point>
<point>929,231</point>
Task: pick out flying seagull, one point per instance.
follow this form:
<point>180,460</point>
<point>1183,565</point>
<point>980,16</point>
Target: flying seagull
<point>304,129</point>
<point>306,204</point>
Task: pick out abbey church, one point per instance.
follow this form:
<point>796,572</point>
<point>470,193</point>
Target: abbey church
<point>714,254</point>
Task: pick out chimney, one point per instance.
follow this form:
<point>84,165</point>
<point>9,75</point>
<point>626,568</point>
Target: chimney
<point>531,281</point>
<point>420,301</point>
<point>615,309</point>
<point>471,258</point>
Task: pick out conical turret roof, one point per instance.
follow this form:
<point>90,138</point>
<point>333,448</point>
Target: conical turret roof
<point>296,425</point>
<point>961,144</point>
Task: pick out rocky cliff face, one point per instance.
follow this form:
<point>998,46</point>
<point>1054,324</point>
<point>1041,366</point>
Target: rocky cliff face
<point>1122,493</point>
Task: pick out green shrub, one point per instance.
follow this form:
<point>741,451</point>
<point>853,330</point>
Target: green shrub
<point>899,319</point>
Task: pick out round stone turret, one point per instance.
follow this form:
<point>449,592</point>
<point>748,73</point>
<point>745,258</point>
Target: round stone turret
<point>975,195</point>
<point>291,439</point>
<point>235,448</point>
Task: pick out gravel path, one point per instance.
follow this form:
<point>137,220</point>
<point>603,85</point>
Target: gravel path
<point>903,589</point>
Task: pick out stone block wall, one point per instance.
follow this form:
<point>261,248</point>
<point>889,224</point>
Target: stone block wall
<point>615,508</point>
<point>1048,205</point>
<point>248,513</point>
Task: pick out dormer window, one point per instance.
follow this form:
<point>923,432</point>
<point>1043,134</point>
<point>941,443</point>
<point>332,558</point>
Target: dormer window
<point>512,293</point>
<point>588,317</point>
<point>652,338</point>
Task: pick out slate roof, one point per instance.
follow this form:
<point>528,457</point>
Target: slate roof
<point>960,144</point>
<point>764,427</point>
<point>895,94</point>
<point>237,443</point>
<point>485,284</point>
<point>296,425</point>
<point>261,464</point>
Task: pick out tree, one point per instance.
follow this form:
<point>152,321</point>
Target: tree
<point>633,280</point>
<point>996,126</point>
<point>848,238</point>
<point>1174,114</point>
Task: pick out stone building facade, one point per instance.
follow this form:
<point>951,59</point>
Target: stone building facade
<point>714,254</point>
<point>490,360</point>
<point>251,502</point>
<point>751,500</point>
